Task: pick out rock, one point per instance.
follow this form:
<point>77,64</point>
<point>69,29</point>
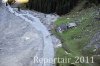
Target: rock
<point>19,41</point>
<point>70,25</point>
<point>58,29</point>
<point>56,42</point>
<point>61,28</point>
<point>65,27</point>
<point>94,47</point>
<point>47,19</point>
<point>98,19</point>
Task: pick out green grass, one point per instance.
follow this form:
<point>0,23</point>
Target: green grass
<point>75,39</point>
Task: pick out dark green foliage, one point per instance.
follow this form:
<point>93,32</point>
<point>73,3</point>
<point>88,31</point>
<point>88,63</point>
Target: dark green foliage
<point>56,6</point>
<point>52,6</point>
<point>94,1</point>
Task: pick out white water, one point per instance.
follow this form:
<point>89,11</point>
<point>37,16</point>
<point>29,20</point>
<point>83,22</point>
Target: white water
<point>48,51</point>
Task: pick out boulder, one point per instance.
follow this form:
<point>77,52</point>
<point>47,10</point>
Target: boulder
<point>70,25</point>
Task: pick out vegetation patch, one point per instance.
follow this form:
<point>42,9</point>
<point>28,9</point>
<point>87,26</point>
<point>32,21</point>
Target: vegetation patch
<point>75,39</point>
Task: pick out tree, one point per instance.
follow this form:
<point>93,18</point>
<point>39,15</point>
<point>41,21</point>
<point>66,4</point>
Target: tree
<point>52,6</point>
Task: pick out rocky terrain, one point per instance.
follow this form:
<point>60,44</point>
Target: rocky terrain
<point>23,37</point>
<point>19,41</point>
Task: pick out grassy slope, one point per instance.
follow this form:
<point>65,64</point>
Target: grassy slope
<point>75,39</point>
